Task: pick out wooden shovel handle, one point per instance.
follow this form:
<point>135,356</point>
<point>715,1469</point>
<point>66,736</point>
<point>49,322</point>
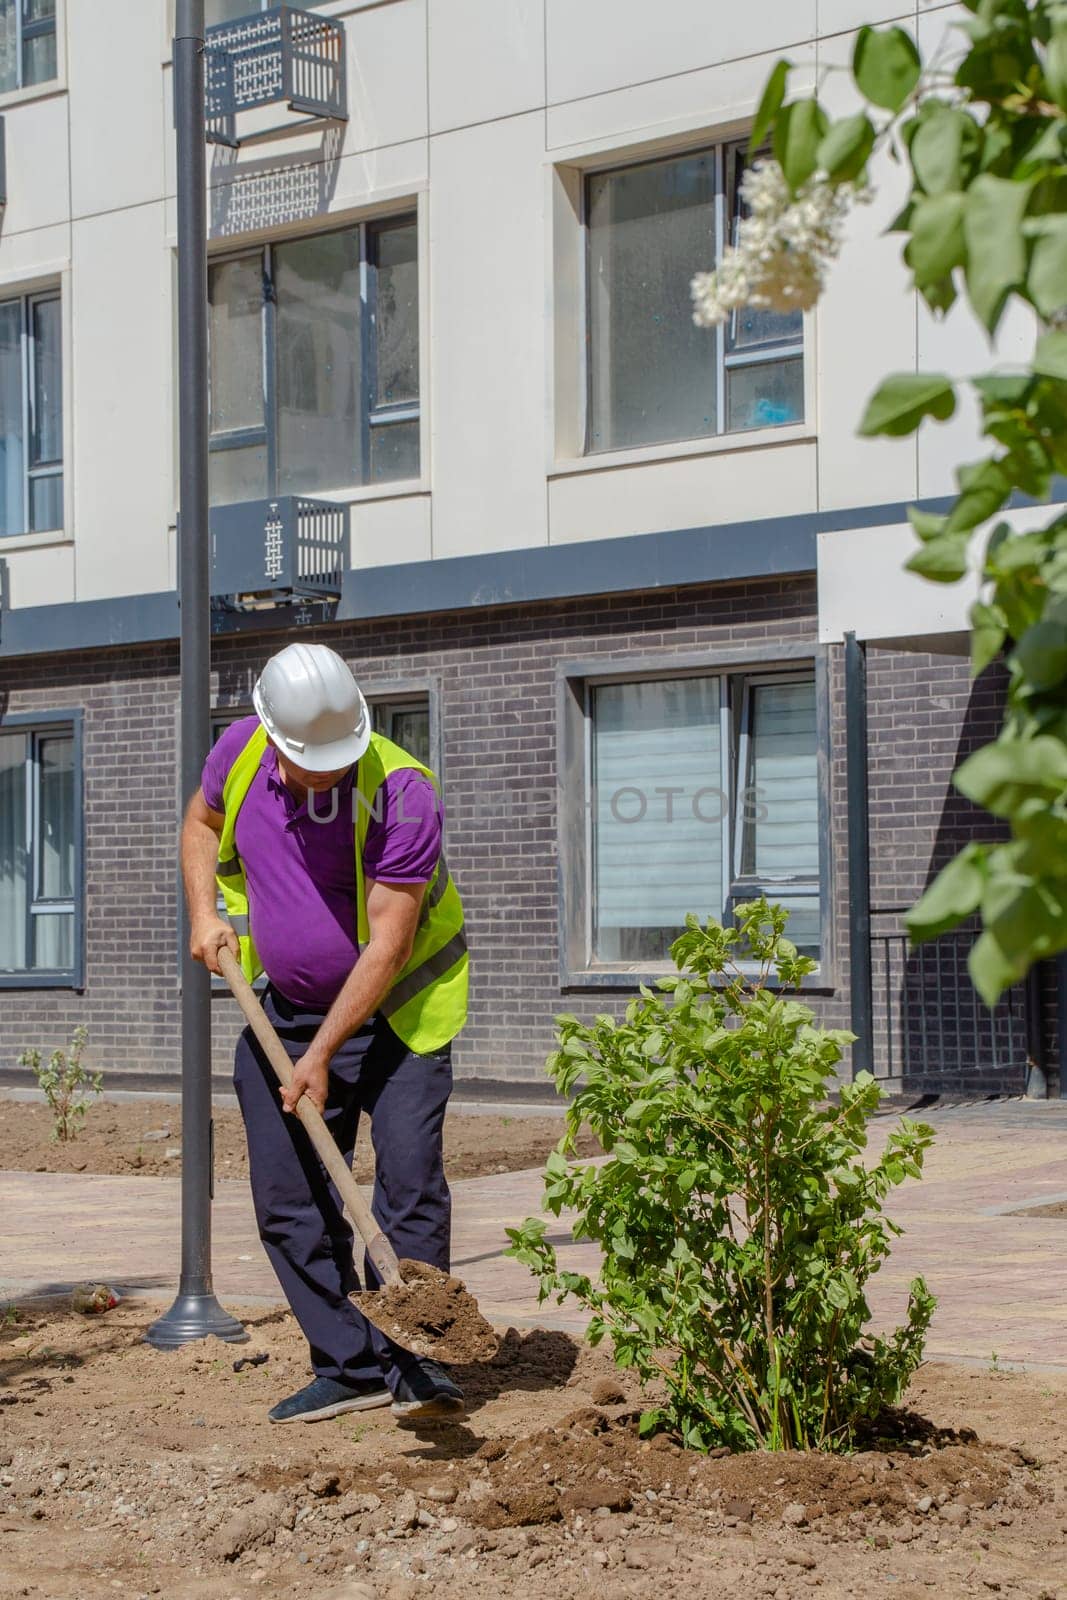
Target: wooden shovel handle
<point>379,1249</point>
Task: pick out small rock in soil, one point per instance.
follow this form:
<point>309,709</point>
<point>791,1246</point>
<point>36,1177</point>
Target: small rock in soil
<point>597,1496</point>
<point>795,1515</point>
<point>606,1392</point>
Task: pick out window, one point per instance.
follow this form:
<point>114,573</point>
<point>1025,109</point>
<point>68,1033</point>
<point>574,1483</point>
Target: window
<point>31,414</point>
<point>314,364</point>
<point>703,791</point>
<point>406,723</point>
<point>653,376</point>
<point>40,852</point>
<point>27,43</point>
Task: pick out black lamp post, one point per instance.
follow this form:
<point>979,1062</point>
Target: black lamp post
<point>195,1312</point>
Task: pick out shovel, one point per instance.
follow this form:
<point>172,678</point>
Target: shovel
<point>419,1306</point>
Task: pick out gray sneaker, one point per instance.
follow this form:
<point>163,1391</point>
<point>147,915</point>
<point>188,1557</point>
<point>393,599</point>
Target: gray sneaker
<point>326,1397</point>
<point>426,1393</point>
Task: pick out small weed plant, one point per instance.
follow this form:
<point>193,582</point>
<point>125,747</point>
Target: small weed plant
<point>66,1084</point>
<point>738,1223</point>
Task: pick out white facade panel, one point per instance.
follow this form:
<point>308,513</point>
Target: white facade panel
<point>488,331</point>
<point>392,530</point>
<point>116,156</point>
<point>842,16</point>
<point>29,259</point>
<point>386,47</point>
<point>601,45</point>
<point>487,60</point>
<point>42,575</point>
<point>865,329</point>
<point>865,589</point>
<point>121,403</point>
<point>713,98</point>
<point>37,137</point>
<point>692,492</point>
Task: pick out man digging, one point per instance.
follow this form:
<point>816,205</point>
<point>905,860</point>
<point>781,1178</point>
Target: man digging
<point>325,839</point>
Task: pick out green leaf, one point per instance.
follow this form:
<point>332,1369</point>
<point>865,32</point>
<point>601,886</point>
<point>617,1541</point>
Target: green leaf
<point>899,404</point>
<point>1050,357</point>
<point>845,147</point>
<point>797,135</point>
<point>984,487</point>
<point>1056,59</point>
<point>955,893</point>
<point>1042,654</point>
<point>944,559</point>
<point>927,524</point>
<point>936,245</point>
<point>943,147</point>
<point>1046,279</point>
<point>1002,776</point>
<point>886,66</point>
<point>939,296</point>
<point>996,250</point>
<point>770,105</point>
<point>988,633</point>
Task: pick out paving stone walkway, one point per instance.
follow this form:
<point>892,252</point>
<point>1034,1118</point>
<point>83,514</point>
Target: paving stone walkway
<point>999,1274</point>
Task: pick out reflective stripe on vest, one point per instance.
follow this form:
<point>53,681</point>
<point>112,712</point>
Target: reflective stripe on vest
<point>427,1004</point>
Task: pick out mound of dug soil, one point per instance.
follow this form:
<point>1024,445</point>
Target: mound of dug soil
<point>124,1470</point>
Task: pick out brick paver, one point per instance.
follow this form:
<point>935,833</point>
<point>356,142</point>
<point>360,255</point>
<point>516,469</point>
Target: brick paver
<point>1001,1280</point>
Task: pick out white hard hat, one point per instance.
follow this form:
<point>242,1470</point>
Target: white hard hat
<point>311,706</point>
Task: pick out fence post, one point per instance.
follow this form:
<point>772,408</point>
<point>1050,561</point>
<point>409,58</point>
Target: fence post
<point>861,995</point>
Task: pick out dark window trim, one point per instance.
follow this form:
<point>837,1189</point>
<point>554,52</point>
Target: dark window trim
<point>33,470</point>
<point>371,415</point>
<point>31,722</point>
<point>573,680</point>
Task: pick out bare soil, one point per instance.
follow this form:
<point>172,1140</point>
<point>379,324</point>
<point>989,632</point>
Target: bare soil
<point>126,1470</point>
<point>132,1137</point>
<point>1055,1208</point>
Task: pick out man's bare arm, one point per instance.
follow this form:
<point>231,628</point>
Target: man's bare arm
<point>200,849</point>
<point>393,916</point>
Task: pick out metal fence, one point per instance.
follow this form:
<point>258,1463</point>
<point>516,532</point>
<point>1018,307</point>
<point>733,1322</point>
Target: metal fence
<point>932,1031</point>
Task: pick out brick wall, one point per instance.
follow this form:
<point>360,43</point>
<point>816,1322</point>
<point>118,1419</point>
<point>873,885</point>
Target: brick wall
<point>495,675</point>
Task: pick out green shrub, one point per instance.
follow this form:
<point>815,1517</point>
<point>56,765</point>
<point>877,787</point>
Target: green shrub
<point>65,1083</point>
<point>739,1226</point>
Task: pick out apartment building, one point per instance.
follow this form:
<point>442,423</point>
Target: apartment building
<point>595,564</point>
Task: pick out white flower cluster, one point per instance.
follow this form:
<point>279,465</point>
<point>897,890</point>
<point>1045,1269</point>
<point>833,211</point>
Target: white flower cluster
<point>784,248</point>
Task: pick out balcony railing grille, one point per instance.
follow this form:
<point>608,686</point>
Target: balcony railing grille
<point>283,55</point>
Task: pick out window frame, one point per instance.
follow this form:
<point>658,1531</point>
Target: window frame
<point>39,29</point>
<point>27,302</point>
<point>404,693</point>
<point>35,725</point>
<point>574,683</point>
<point>370,416</point>
<point>724,151</point>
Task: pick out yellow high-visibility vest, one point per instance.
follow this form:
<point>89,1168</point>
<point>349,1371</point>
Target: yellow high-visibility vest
<point>427,1004</point>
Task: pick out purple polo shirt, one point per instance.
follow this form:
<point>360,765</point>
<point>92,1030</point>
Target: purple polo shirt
<point>300,869</point>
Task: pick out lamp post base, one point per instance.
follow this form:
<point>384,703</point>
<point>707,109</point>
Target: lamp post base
<point>194,1316</point>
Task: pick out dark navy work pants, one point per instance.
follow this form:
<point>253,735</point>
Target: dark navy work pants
<point>299,1212</point>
